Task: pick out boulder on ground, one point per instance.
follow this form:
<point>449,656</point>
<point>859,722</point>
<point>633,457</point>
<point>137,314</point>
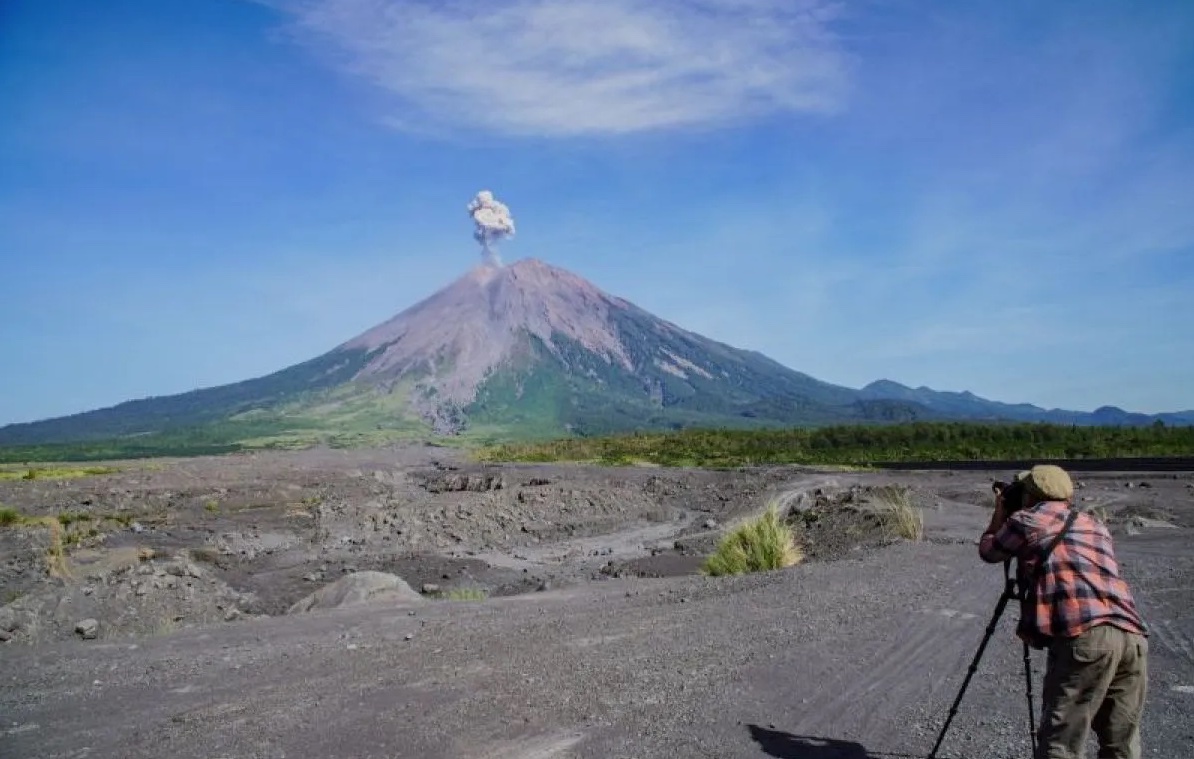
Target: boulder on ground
<point>359,588</point>
<point>1142,522</point>
<point>88,629</point>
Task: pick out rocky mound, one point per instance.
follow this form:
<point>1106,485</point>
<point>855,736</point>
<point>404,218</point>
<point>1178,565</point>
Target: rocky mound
<point>360,588</point>
<point>123,593</point>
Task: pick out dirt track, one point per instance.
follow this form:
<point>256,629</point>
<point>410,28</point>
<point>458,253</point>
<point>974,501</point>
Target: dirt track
<point>865,647</point>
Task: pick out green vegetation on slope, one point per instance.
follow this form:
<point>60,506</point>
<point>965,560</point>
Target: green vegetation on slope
<point>566,388</point>
<point>150,446</point>
<point>859,445</point>
<point>350,415</point>
<point>193,409</point>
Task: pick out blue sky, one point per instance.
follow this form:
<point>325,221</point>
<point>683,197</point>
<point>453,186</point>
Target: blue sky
<point>996,197</point>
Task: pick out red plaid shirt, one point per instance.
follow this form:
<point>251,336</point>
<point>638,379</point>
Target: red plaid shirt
<point>1080,586</point>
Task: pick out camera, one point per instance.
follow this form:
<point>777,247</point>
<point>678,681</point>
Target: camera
<point>1012,494</point>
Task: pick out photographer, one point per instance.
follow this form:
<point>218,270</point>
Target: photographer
<point>1078,607</point>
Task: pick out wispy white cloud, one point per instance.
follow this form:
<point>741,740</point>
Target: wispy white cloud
<point>583,67</point>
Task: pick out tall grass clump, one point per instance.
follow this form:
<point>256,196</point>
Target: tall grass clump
<point>67,518</point>
<point>899,515</point>
<point>9,516</point>
<point>56,554</point>
<point>1100,513</point>
<point>757,545</point>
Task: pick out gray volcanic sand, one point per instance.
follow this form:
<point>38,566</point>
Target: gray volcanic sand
<point>597,639</point>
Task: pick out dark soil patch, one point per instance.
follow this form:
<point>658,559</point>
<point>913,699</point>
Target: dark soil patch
<point>835,533</point>
<point>838,523</point>
<point>666,564</point>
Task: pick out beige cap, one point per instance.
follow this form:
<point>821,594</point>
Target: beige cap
<point>1049,482</point>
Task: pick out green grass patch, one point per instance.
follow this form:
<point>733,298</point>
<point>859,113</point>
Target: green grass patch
<point>462,594</point>
<point>67,518</point>
<point>55,473</point>
<point>122,519</point>
<point>757,545</point>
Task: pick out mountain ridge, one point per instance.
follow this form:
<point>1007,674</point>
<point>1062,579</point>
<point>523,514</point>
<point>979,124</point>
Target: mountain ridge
<point>534,349</point>
<point>967,405</point>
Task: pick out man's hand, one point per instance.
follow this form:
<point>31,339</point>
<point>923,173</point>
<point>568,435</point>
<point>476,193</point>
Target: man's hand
<point>999,516</point>
<point>988,549</point>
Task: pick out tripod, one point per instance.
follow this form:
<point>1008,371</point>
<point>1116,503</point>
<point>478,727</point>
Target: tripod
<point>1009,594</point>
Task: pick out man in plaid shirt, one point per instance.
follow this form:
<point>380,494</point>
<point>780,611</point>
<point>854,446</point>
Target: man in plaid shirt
<point>1079,608</point>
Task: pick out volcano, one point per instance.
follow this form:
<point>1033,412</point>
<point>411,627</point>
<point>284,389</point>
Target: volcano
<point>526,350</point>
<point>535,346</point>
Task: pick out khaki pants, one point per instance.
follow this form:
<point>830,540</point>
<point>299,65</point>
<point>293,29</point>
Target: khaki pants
<point>1094,681</point>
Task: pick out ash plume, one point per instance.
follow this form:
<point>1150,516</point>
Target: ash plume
<point>492,222</point>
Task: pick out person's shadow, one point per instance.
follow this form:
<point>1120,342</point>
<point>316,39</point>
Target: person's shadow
<point>788,746</point>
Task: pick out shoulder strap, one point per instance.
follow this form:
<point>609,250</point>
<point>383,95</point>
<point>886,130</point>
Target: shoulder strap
<point>1026,592</point>
<point>1069,522</point>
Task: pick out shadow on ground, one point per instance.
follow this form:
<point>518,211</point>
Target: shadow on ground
<point>783,745</point>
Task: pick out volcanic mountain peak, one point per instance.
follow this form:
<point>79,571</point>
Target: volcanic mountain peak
<point>527,349</point>
<point>461,333</point>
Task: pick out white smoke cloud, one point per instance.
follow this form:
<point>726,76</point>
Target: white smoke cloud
<point>492,222</point>
<point>583,67</point>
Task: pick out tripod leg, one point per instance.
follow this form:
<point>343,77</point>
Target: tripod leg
<point>953,710</point>
<point>1031,708</point>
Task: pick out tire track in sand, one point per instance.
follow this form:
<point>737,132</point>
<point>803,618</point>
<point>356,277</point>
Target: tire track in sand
<point>552,746</point>
<point>925,653</point>
<point>1172,638</point>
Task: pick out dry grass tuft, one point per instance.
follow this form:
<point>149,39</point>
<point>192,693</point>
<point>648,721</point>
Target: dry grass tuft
<point>758,545</point>
<point>899,515</point>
